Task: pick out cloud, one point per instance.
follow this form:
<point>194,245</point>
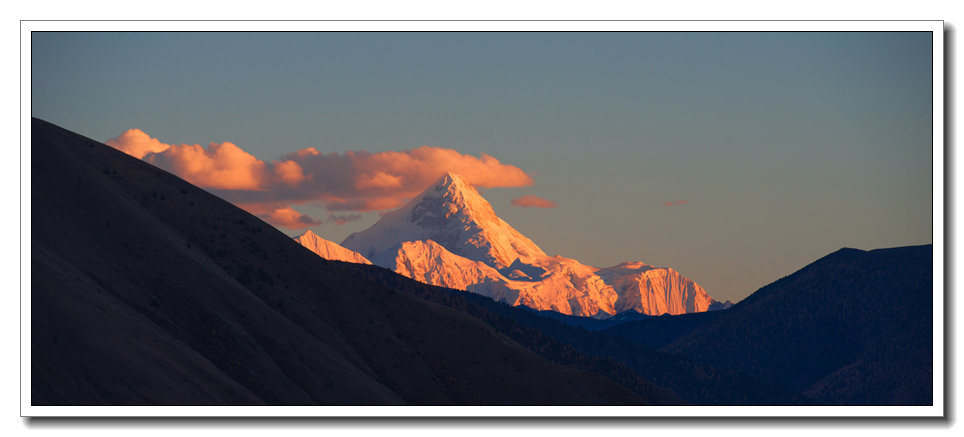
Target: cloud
<point>356,181</point>
<point>342,219</point>
<point>289,172</point>
<point>377,179</point>
<point>222,166</point>
<point>136,143</point>
<point>678,202</point>
<point>530,200</point>
<point>362,181</point>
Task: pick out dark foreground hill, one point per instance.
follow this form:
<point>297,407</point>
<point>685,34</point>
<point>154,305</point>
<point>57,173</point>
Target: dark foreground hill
<point>591,324</point>
<point>696,382</point>
<point>148,290</point>
<point>657,332</point>
<point>853,328</point>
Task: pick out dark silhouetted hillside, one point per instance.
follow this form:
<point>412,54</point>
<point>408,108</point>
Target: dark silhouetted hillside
<point>694,381</point>
<point>852,328</point>
<point>590,323</point>
<point>148,290</point>
<point>657,332</point>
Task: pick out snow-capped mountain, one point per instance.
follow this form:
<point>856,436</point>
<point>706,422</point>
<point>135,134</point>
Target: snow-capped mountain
<point>654,291</point>
<point>329,250</point>
<point>450,236</point>
<point>455,216</point>
<point>426,261</point>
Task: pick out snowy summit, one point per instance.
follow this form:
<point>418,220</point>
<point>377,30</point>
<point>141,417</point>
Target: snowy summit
<point>453,214</point>
<point>450,236</point>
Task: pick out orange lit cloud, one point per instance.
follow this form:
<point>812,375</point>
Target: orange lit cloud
<point>354,181</point>
<point>136,143</point>
<point>377,180</point>
<point>678,202</point>
<point>362,181</point>
<point>533,201</point>
<point>289,172</point>
<point>224,166</point>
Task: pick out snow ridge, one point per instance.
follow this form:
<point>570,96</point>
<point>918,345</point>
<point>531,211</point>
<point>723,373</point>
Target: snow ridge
<point>329,250</point>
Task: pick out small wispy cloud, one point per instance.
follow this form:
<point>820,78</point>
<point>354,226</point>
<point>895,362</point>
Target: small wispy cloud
<point>678,202</point>
<point>281,215</point>
<point>342,219</point>
<point>533,201</point>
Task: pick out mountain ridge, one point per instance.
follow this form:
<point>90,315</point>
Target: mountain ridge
<point>329,250</point>
<point>852,328</point>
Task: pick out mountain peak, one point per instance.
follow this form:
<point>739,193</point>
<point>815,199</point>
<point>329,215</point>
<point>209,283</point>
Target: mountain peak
<point>449,235</point>
<point>454,215</point>
<point>452,185</point>
<point>450,178</point>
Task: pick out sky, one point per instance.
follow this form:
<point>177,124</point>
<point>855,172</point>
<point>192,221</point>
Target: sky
<point>733,158</point>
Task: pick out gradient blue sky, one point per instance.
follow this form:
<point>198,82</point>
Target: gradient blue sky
<point>786,146</point>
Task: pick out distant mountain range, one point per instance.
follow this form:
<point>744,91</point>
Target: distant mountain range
<point>451,237</point>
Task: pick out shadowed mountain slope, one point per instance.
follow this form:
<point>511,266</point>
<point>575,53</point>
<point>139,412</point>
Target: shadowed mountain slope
<point>148,290</point>
<point>657,332</point>
<point>853,328</point>
<point>591,324</point>
<point>696,382</point>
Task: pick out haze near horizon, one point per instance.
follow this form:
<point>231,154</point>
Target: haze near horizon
<point>734,158</point>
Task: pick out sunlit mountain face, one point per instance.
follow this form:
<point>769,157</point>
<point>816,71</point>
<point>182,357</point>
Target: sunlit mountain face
<point>450,236</point>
